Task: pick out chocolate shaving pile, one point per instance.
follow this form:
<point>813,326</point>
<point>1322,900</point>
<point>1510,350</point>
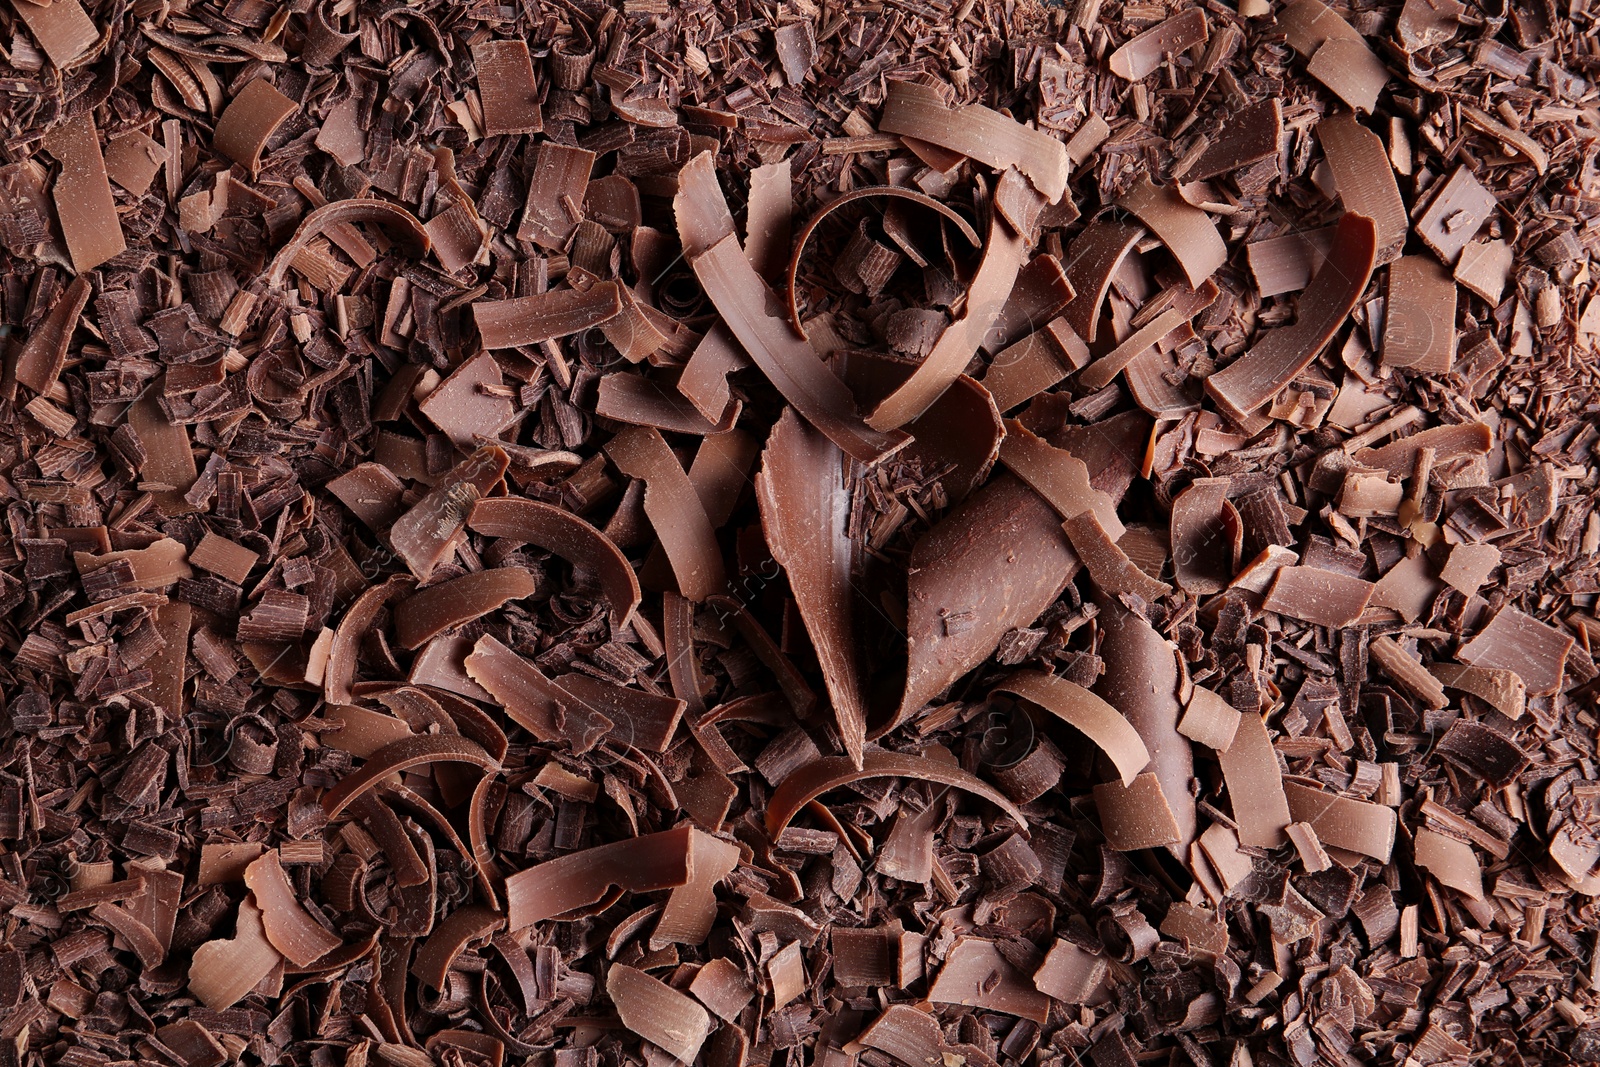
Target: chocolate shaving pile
<point>921,533</point>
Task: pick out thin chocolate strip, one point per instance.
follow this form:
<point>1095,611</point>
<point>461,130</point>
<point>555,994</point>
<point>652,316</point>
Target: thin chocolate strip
<point>976,973</point>
<point>1108,565</point>
<point>913,1036</point>
<point>413,235</point>
<point>1325,598</point>
<point>1286,264</point>
<point>746,304</point>
<point>1091,716</point>
<point>249,121</point>
<point>1028,367</point>
<point>1142,682</point>
<point>1419,321</point>
<point>1137,816</point>
<point>768,217</point>
<point>1188,232</point>
<point>1003,257</point>
<point>1140,57</point>
<point>568,536</point>
<point>425,536</point>
<point>1515,138</point>
<point>1210,720</point>
<point>646,721</point>
<point>399,756</point>
<point>1183,304</point>
<point>38,364</point>
<point>85,209</point>
<point>805,504</point>
<point>1365,180</point>
<point>424,615</point>
<point>506,87</point>
<point>528,320</point>
<point>468,923</point>
<point>1092,261</point>
<point>803,238</point>
<point>533,701</point>
<point>658,1013</point>
<point>1353,825</point>
<point>637,865</point>
<point>1255,785</point>
<point>340,673</point>
<point>1202,550</point>
<point>1244,386</point>
<point>809,782</point>
<point>640,401</point>
<point>674,509</point>
<point>1399,458</point>
<point>914,110</point>
<point>289,928</point>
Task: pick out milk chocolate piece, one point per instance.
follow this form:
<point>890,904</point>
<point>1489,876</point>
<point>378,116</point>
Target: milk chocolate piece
<point>528,320</point>
<point>1352,825</point>
<point>531,699</point>
<point>1249,135</point>
<point>657,1012</point>
<point>914,110</point>
<point>691,908</point>
<point>423,616</point>
<point>1419,323</point>
<point>249,121</point>
<point>1349,69</point>
<point>290,930</point>
<point>1093,260</point>
<point>1449,860</point>
<point>1140,57</point>
<point>82,193</point>
<point>1188,232</point>
<point>224,971</point>
<point>1255,785</point>
<point>399,756</point>
<point>967,586</point>
<point>1322,597</point>
<point>1210,720</point>
<point>1458,210</point>
<point>639,865</point>
<point>568,536</point>
<point>804,513</point>
<point>38,365</point>
<point>1141,681</point>
<point>1500,688</point>
<point>506,87</point>
<point>1286,264</point>
<point>1136,816</point>
<point>975,973</point>
<point>1517,642</point>
<point>1091,716</point>
<point>674,510</point>
<point>1250,381</point>
<point>471,403</point>
<point>812,780</point>
<point>1365,180</point>
<point>62,28</point>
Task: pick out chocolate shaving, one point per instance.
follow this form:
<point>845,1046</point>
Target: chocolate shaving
<point>1091,716</point>
<point>1139,58</point>
<point>568,536</point>
<point>804,514</point>
<point>657,1012</point>
<point>1352,825</point>
<point>1449,860</point>
<point>915,110</point>
<point>674,510</point>
<point>691,908</point>
<point>1349,67</point>
<point>1188,232</point>
<point>1325,598</point>
<point>745,304</point>
<point>85,209</point>
<point>1136,816</point>
<point>290,930</point>
<point>506,87</point>
<point>1108,565</point>
<point>1246,384</point>
<point>532,700</point>
<point>223,972</point>
<point>641,865</point>
<point>976,974</point>
<point>398,756</point>
<point>38,364</point>
<point>528,320</point>
<point>1419,329</point>
<point>1255,785</point>
<point>249,121</point>
<point>1534,651</point>
<point>1365,180</point>
<point>807,783</point>
<point>423,616</point>
<point>426,534</point>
